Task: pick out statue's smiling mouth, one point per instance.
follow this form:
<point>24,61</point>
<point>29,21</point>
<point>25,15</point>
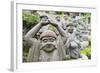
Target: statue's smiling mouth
<point>48,47</point>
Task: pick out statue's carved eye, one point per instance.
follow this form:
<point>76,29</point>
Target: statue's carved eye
<point>49,39</point>
<point>45,40</point>
<point>52,39</point>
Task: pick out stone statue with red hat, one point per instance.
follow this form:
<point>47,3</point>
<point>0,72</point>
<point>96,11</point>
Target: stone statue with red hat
<point>49,46</point>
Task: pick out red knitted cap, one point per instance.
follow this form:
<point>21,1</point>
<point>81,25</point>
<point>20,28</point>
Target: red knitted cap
<point>48,33</point>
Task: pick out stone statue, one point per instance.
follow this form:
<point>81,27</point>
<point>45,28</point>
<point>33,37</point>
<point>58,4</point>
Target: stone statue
<point>73,45</point>
<point>49,46</point>
<point>61,22</point>
<point>84,32</point>
<point>65,22</point>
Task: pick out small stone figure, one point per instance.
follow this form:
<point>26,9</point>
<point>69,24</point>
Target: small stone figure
<point>65,22</point>
<point>73,45</point>
<point>61,22</point>
<point>58,19</point>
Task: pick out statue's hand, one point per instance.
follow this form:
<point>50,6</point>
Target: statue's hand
<point>53,22</point>
<point>44,22</point>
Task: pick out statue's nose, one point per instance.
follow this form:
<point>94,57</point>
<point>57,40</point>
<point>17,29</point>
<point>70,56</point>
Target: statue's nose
<point>48,45</point>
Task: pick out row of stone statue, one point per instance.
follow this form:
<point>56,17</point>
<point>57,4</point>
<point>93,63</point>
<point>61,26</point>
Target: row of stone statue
<point>65,43</point>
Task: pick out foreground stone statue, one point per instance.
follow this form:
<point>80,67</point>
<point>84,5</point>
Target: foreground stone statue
<point>49,46</point>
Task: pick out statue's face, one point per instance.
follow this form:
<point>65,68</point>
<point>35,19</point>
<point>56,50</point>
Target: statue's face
<point>48,44</point>
<point>70,29</point>
<point>65,18</point>
<point>58,18</point>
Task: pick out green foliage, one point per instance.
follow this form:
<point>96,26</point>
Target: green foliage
<point>87,14</point>
<point>86,51</point>
<point>30,19</point>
